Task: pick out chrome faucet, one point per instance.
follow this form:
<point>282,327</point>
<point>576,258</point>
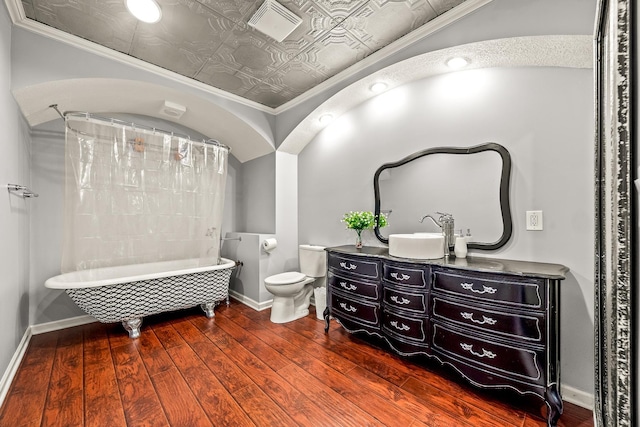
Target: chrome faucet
<point>446,223</point>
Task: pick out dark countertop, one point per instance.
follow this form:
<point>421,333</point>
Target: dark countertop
<point>475,263</point>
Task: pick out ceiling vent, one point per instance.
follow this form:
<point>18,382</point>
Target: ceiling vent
<point>274,20</point>
<point>173,109</point>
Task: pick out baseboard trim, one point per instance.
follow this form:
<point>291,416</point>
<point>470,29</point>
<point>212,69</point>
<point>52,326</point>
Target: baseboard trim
<point>18,355</point>
<point>258,306</point>
<point>14,364</point>
<point>577,397</point>
<point>56,325</point>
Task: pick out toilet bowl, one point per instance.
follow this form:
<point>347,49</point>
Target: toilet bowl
<point>292,290</point>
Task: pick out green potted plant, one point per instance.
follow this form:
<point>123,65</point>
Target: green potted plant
<point>363,220</point>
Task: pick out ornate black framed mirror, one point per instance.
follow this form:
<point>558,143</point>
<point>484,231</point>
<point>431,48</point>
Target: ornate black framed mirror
<point>471,183</point>
<point>616,215</point>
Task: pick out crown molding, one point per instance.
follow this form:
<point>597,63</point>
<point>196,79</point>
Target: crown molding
<point>16,11</point>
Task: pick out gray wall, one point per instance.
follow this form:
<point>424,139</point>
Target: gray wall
<point>234,212</point>
<point>543,116</point>
<point>259,195</point>
<point>250,201</point>
<point>14,211</point>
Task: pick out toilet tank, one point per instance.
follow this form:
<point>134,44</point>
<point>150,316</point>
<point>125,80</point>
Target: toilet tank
<point>313,260</point>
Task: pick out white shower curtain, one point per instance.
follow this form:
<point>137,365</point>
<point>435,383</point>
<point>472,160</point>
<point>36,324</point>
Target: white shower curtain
<point>136,196</point>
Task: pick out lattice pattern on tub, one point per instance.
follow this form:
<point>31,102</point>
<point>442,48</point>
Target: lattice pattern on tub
<point>132,300</point>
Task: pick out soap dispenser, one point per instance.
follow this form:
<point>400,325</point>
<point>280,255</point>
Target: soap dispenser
<point>460,248</point>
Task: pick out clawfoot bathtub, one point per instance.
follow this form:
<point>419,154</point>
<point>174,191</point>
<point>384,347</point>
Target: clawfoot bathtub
<point>128,293</point>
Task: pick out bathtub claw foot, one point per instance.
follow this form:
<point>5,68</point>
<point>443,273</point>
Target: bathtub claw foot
<point>133,327</point>
<point>208,309</point>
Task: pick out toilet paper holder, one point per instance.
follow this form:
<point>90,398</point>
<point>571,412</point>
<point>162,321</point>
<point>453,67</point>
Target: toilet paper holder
<point>269,245</point>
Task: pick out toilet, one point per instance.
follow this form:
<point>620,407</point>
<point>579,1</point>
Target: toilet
<point>292,290</point>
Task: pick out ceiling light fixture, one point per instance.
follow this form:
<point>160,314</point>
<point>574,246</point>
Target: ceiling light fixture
<point>378,87</point>
<point>145,10</point>
<point>457,62</point>
<point>325,119</point>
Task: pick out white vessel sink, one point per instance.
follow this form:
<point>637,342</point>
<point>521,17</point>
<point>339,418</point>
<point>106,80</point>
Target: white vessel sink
<point>417,245</point>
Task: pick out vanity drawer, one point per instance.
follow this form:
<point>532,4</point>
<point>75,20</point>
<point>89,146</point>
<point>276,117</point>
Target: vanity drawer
<point>354,287</point>
<point>491,379</point>
<point>519,326</point>
<point>353,266</point>
<point>356,311</point>
<point>414,329</point>
<point>405,276</point>
<point>511,290</point>
<point>522,363</point>
<point>414,302</point>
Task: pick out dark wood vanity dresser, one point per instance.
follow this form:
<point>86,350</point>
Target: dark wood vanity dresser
<point>496,322</point>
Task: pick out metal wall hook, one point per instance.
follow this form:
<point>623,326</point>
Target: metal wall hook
<point>16,187</point>
<point>25,192</point>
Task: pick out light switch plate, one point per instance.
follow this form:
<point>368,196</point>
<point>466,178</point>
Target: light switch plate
<point>534,220</point>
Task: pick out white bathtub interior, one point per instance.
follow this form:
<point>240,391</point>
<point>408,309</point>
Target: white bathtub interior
<point>129,273</point>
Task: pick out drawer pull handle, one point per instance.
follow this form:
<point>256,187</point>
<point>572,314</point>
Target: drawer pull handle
<point>348,286</point>
<point>400,276</point>
<point>349,308</point>
<point>485,353</point>
<point>485,320</point>
<point>348,267</point>
<point>400,327</point>
<point>401,300</point>
<point>485,289</point>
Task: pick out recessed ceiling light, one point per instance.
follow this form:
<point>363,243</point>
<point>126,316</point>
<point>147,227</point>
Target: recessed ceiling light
<point>145,10</point>
<point>457,62</point>
<point>325,118</point>
<point>378,87</point>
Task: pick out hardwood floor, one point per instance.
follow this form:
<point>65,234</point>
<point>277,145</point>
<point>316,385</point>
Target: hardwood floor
<point>239,369</point>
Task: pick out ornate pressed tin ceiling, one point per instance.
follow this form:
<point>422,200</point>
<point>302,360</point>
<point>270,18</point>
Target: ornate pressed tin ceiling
<point>210,41</point>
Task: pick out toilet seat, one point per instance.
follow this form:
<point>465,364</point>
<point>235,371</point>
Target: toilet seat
<point>285,278</point>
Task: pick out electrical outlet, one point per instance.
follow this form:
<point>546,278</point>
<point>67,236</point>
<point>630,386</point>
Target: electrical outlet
<point>534,220</point>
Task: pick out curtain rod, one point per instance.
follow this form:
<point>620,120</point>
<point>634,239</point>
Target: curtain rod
<point>124,123</point>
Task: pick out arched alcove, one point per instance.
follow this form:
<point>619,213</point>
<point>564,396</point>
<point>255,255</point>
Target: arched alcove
<point>101,95</point>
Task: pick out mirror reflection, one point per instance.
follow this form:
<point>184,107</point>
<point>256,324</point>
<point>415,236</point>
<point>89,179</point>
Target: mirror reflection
<point>471,184</point>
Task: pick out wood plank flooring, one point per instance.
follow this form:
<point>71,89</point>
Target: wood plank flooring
<point>239,369</point>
